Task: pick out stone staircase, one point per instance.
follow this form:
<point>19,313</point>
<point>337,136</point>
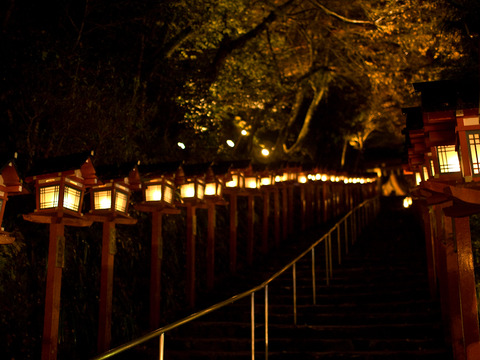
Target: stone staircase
<point>377,306</point>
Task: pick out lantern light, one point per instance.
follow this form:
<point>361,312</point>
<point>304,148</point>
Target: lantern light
<point>230,143</point>
<point>237,181</point>
<point>159,190</point>
<point>448,159</point>
<point>110,197</point>
<point>61,185</point>
<point>265,152</point>
<point>302,179</point>
<point>252,182</point>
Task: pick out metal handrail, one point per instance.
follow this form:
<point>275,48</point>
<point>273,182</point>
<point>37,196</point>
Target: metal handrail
<point>356,223</point>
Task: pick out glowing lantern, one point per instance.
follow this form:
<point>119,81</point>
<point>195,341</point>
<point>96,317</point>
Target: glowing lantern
<point>61,191</point>
<point>252,182</point>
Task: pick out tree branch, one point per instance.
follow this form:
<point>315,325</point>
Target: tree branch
<point>228,45</point>
<point>342,18</point>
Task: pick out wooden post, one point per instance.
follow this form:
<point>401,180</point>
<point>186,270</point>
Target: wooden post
<point>250,228</point>
<point>106,287</point>
<point>324,202</point>
<point>447,272</point>
<point>190,252</point>
<point>156,258</point>
<point>452,288</point>
<point>276,208</point>
<point>467,291</point>
<point>430,253</point>
<point>211,244</point>
<point>303,207</point>
<point>285,211</point>
<point>56,259</point>
<point>266,213</point>
<point>233,232</point>
<point>290,209</point>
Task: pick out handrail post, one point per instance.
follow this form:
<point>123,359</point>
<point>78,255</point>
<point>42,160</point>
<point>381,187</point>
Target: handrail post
<point>313,278</point>
<point>252,315</point>
<point>346,233</point>
<point>330,261</point>
<point>161,346</point>
<point>266,322</point>
<point>339,245</point>
<point>327,266</point>
<point>294,267</point>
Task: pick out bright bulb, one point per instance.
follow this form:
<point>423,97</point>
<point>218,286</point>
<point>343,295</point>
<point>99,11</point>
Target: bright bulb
<point>244,132</point>
<point>230,143</point>
<point>181,145</point>
<point>265,152</point>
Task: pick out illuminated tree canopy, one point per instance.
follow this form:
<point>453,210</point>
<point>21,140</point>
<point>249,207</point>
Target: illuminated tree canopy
<point>306,79</point>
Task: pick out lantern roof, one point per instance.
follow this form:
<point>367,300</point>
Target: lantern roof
<point>168,169</point>
<point>240,164</point>
<point>126,174</point>
<point>10,177</point>
<point>67,165</point>
<point>450,94</point>
<point>200,169</point>
<point>221,168</point>
<point>413,118</point>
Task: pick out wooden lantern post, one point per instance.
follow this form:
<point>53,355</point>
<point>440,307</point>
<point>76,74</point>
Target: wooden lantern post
<point>233,188</point>
<point>158,187</point>
<point>450,130</point>
<point>10,184</point>
<point>252,186</point>
<point>109,201</point>
<point>304,197</point>
<point>192,192</point>
<point>60,184</point>
<point>266,182</point>
<point>217,175</point>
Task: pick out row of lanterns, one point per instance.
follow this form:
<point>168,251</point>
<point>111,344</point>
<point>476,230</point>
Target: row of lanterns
<point>60,183</point>
<point>443,135</point>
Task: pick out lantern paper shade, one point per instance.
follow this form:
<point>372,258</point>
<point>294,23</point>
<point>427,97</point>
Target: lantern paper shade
<point>251,182</point>
<point>49,194</point>
<point>238,180</point>
<point>121,201</point>
<point>193,190</point>
<point>448,159</point>
<point>213,188</point>
<point>71,198</point>
<point>162,191</point>
<point>474,145</point>
<point>187,190</point>
<point>102,200</point>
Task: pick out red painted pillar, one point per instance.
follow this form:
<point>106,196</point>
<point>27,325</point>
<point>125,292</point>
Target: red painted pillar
<point>56,258</point>
<point>452,289</point>
<point>430,253</point>
<point>265,223</point>
<point>276,207</point>
<point>190,252</point>
<point>211,244</point>
<point>324,202</point>
<point>156,258</point>
<point>290,216</point>
<point>303,207</point>
<point>233,232</point>
<point>106,287</point>
<point>250,228</point>
<point>468,296</point>
<point>447,272</point>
